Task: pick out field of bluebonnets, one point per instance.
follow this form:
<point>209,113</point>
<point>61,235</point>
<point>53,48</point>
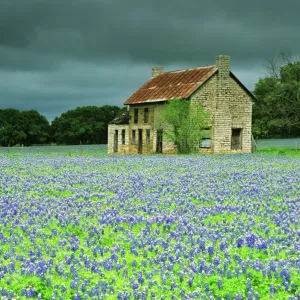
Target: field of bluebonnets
<point>91,226</point>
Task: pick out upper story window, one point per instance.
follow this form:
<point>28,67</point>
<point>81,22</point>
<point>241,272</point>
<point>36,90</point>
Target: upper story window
<point>123,136</point>
<point>146,114</point>
<point>136,115</point>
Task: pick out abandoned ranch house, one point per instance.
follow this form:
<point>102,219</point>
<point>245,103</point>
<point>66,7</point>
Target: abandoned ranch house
<point>223,96</point>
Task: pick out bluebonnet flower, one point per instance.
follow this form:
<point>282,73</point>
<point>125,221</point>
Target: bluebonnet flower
<point>63,288</point>
<point>206,286</point>
<point>135,286</point>
<point>173,286</point>
<point>286,286</point>
<point>250,240</point>
<point>210,250</point>
<point>30,292</point>
<point>182,292</point>
<point>223,245</point>
<point>239,242</point>
<point>140,278</point>
<point>219,283</point>
<point>74,284</point>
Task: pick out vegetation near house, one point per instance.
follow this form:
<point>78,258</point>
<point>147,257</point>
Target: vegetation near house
<point>185,126</point>
<point>276,110</point>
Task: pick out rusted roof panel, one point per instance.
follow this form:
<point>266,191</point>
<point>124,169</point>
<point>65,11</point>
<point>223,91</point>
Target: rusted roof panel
<point>171,85</point>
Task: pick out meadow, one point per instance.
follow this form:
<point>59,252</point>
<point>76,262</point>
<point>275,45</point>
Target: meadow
<point>79,224</point>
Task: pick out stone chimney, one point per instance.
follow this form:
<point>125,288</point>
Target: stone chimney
<point>157,71</point>
<point>222,117</point>
<point>223,65</point>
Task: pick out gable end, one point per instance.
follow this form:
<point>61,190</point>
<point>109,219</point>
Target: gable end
<point>242,86</point>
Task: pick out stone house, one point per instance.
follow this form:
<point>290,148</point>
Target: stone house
<point>216,88</point>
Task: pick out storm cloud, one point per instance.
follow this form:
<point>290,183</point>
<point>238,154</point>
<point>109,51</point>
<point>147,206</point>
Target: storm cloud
<point>56,55</point>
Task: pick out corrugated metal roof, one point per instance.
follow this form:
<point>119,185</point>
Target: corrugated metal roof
<point>170,85</point>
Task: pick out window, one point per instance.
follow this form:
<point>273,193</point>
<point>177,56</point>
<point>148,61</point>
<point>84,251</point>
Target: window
<point>146,110</point>
<point>147,136</point>
<point>236,139</point>
<point>116,142</point>
<point>123,136</point>
<point>136,115</point>
<point>133,137</point>
<point>205,141</point>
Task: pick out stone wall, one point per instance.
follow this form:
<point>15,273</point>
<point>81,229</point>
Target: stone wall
<point>229,106</point>
<point>146,148</point>
<point>206,96</point>
<point>122,149</point>
<point>240,108</point>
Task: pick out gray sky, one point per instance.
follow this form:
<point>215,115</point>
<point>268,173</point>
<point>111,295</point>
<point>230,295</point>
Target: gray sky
<point>56,55</point>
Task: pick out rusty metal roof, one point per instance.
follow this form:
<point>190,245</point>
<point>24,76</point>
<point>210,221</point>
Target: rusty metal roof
<point>170,85</point>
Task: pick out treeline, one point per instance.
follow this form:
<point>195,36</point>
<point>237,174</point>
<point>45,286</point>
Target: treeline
<point>276,113</point>
<point>86,125</point>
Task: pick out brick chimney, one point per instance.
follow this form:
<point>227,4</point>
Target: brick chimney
<point>157,71</point>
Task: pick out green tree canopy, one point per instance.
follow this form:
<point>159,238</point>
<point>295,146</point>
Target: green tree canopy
<point>25,127</point>
<point>182,124</point>
<point>276,113</point>
<point>88,125</point>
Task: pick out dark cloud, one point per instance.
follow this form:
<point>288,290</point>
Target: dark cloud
<point>59,54</point>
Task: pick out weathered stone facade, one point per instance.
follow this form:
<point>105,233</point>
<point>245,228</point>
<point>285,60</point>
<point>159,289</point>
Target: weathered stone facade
<point>227,101</point>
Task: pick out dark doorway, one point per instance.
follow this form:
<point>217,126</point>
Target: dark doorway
<point>236,139</point>
<point>140,146</point>
<point>159,141</point>
<point>116,141</point>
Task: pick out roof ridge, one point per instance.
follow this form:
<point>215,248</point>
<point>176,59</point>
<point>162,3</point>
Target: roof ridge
<point>190,69</point>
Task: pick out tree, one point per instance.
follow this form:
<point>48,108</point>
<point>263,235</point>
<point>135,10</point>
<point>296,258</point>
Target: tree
<point>276,113</point>
<point>182,123</point>
<point>88,125</point>
<point>26,127</point>
<point>36,127</point>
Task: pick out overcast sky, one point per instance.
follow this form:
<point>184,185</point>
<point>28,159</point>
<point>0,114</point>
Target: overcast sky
<point>56,55</point>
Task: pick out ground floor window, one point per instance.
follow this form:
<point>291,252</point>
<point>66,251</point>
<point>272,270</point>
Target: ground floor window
<point>133,137</point>
<point>116,141</point>
<point>236,138</point>
<point>123,136</point>
<point>147,136</point>
<point>205,140</point>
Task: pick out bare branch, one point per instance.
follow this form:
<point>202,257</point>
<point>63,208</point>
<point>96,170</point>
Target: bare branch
<point>287,56</point>
<point>272,67</point>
